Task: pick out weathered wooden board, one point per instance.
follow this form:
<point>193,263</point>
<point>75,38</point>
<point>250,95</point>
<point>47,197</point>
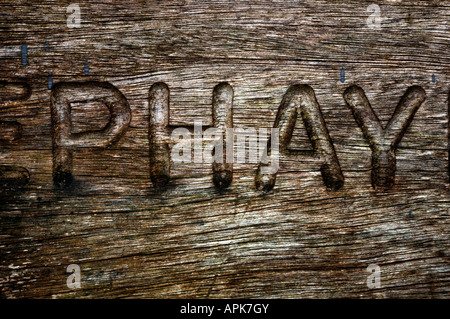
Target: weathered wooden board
<point>192,240</point>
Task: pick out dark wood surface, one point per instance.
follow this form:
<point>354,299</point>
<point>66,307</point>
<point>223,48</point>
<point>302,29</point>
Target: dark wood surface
<point>193,240</point>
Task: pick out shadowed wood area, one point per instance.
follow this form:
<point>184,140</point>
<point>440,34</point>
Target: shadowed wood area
<point>189,238</point>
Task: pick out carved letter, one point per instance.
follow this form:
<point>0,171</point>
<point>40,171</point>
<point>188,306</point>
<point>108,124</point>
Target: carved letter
<point>64,140</point>
<point>12,177</point>
<point>303,97</point>
<point>383,141</point>
<point>159,135</point>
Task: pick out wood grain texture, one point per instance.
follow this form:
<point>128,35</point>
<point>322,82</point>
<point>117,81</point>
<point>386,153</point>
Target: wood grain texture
<point>192,240</point>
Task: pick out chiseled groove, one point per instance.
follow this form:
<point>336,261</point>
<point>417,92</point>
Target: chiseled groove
<point>302,97</point>
<point>14,91</point>
<point>12,177</point>
<point>158,134</point>
<point>383,141</point>
<point>10,131</point>
<point>222,113</point>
